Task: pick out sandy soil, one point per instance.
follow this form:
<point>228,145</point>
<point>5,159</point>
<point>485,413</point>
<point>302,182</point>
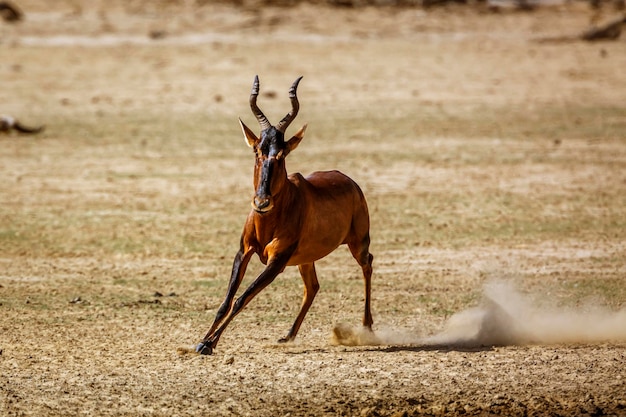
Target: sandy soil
<point>486,157</point>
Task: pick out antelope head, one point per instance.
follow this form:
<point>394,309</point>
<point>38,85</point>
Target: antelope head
<point>270,174</point>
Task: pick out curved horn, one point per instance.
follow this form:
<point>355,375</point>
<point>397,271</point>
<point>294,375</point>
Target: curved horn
<point>255,109</point>
<point>295,106</point>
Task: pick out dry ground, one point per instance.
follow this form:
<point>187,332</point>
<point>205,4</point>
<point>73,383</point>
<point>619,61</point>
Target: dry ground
<point>483,155</point>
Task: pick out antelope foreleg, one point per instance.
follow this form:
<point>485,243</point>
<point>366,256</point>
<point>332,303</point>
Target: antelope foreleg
<point>311,286</point>
<point>274,267</point>
<point>239,269</point>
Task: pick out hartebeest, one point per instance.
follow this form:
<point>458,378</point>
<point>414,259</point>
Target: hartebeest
<point>294,221</point>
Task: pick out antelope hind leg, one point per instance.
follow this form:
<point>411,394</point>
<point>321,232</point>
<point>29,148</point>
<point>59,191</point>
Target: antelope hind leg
<point>311,286</point>
<point>360,252</point>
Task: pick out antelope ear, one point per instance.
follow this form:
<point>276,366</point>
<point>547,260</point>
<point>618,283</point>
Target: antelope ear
<point>295,140</point>
<point>249,136</point>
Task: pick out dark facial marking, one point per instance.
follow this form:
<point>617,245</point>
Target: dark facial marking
<point>272,141</point>
<point>272,144</point>
<point>267,168</point>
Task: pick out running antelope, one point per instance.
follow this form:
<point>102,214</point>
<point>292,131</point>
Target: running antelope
<point>294,221</point>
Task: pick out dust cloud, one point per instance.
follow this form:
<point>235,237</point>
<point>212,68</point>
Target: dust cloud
<point>505,317</point>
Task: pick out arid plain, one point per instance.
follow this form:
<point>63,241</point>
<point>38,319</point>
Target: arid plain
<point>487,156</point>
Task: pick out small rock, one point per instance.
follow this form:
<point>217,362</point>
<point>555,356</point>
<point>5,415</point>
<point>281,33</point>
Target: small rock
<point>270,94</point>
<point>157,34</point>
<point>368,412</point>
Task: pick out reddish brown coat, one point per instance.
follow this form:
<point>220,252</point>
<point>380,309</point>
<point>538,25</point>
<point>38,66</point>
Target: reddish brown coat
<point>294,221</point>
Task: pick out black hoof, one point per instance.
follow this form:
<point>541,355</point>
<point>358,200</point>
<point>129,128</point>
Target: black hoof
<point>284,340</point>
<point>204,348</point>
